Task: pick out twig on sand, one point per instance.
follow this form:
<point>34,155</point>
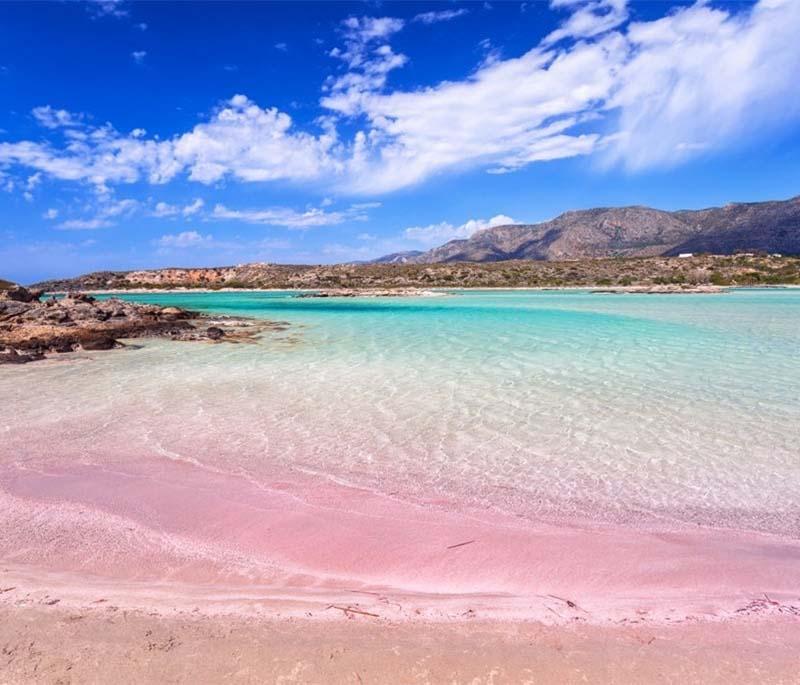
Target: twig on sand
<point>460,544</point>
<point>569,603</point>
<point>350,610</point>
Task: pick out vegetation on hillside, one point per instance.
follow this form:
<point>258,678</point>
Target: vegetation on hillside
<point>741,270</point>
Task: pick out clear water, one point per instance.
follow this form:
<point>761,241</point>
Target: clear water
<point>635,408</point>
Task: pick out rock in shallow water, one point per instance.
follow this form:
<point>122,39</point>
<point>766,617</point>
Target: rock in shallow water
<point>30,328</point>
<point>100,342</point>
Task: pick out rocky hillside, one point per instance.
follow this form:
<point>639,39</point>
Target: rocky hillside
<point>631,232</point>
<point>698,270</point>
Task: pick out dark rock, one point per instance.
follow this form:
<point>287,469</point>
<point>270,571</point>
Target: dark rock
<point>62,346</point>
<point>214,333</point>
<point>10,356</point>
<point>20,294</point>
<point>99,342</point>
<point>79,297</point>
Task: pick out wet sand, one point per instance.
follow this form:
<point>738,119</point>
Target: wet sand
<point>169,572</point>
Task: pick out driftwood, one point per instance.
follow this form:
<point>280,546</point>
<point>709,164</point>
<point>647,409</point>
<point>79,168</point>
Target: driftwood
<point>460,544</point>
<point>349,610</point>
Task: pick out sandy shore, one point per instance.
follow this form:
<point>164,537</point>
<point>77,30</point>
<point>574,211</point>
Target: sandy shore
<point>45,642</point>
<point>166,571</point>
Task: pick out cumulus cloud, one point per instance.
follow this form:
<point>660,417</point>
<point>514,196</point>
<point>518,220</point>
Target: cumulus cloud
<point>52,118</point>
<point>435,234</point>
<point>636,94</point>
<point>164,209</point>
<point>138,56</point>
<point>253,144</point>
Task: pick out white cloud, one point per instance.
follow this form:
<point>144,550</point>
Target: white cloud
<point>703,78</point>
<point>505,114</point>
<point>163,209</point>
<point>368,63</point>
<point>193,208</point>
<point>107,8</point>
<point>185,239</point>
<point>289,218</point>
<point>435,234</point>
<point>281,46</point>
<point>253,144</point>
<point>138,56</point>
<point>638,95</point>
<point>56,118</point>
<point>50,214</point>
<point>362,30</point>
<point>443,15</point>
<point>107,209</point>
<point>116,208</point>
<point>589,18</point>
<point>84,224</point>
<point>33,180</point>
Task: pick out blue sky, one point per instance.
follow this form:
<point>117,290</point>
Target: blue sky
<point>142,135</point>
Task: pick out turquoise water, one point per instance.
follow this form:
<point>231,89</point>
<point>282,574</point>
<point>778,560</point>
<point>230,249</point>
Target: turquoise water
<point>623,407</point>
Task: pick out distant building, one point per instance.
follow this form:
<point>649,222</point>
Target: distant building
<point>685,255</point>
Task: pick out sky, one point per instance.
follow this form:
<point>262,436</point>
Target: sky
<point>138,135</point>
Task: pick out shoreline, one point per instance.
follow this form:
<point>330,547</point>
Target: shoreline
<point>155,534</point>
<point>438,289</point>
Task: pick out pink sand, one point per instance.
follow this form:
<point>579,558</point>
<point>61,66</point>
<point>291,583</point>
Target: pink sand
<point>167,524</point>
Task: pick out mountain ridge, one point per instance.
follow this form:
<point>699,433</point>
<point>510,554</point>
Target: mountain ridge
<point>632,231</point>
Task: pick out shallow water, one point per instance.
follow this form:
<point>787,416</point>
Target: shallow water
<point>632,408</point>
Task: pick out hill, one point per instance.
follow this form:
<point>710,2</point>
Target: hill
<point>631,232</point>
<point>698,270</point>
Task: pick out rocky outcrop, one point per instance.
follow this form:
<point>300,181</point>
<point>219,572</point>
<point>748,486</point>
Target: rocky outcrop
<point>31,328</point>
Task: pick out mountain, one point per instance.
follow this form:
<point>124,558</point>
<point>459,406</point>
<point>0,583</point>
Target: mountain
<point>407,257</point>
<point>630,232</point>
